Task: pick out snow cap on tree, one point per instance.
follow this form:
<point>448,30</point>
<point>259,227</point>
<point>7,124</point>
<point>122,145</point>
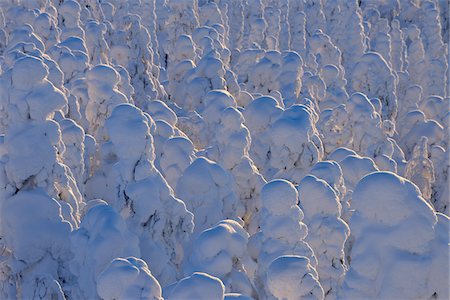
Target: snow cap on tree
<point>292,277</point>
<point>128,278</point>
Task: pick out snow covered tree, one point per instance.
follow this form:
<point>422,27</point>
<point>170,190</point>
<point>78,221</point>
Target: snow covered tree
<point>399,239</point>
<point>226,261</point>
<point>373,77</point>
<point>292,277</point>
<point>103,96</point>
<point>128,278</point>
<point>101,237</point>
<point>282,231</point>
<point>196,286</point>
<point>420,169</point>
<point>297,146</point>
<point>327,232</point>
<point>207,191</point>
<point>35,183</point>
<point>143,197</point>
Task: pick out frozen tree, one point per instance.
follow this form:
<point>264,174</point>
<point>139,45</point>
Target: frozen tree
<point>181,62</point>
<point>259,116</point>
<point>313,89</point>
<point>207,191</point>
<point>24,34</point>
<point>331,172</point>
<point>31,102</point>
<point>327,231</point>
<point>45,27</point>
<point>208,75</point>
<point>325,51</point>
<point>397,46</point>
<point>284,39</point>
<point>199,286</point>
<point>143,197</point>
<point>415,53</point>
<point>380,40</point>
<point>235,16</point>
<point>332,123</point>
<point>72,63</point>
<point>128,278</point>
<point>354,168</point>
<point>262,78</point>
<point>289,79</point>
<point>416,125</point>
<point>226,261</point>
<point>143,74</point>
<point>230,148</point>
<point>101,237</point>
<point>177,155</point>
<point>315,18</point>
<point>103,96</point>
<point>253,13</point>
<point>297,27</point>
<point>181,19</point>
<point>420,169</point>
<point>282,230</point>
<point>398,238</point>
<point>346,32</point>
<point>294,140</point>
<point>435,108</point>
<point>372,76</point>
<point>440,187</point>
<point>97,47</point>
<point>408,101</point>
<point>37,260</point>
<point>341,125</point>
<point>69,19</point>
<point>292,277</point>
<point>335,93</point>
<point>272,16</point>
<point>209,14</point>
<point>38,190</point>
<point>387,9</point>
<point>73,137</point>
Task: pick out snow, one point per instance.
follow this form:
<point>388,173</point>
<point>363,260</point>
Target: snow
<point>176,149</point>
<point>206,189</point>
<point>221,251</point>
<point>392,220</point>
<point>293,277</point>
<point>101,237</point>
<point>197,286</point>
<point>128,278</point>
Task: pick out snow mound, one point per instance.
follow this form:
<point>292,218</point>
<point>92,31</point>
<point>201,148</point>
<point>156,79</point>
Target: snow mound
<point>293,277</point>
<point>128,278</point>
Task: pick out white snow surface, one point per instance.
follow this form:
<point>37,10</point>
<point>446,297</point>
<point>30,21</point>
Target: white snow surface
<point>222,149</point>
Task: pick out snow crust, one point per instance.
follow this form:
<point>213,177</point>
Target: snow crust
<point>199,149</point>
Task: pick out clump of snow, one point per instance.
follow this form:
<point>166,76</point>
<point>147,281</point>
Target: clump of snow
<point>207,191</point>
<point>282,230</point>
<point>101,237</point>
<point>103,96</point>
<point>327,231</point>
<point>295,142</point>
<point>36,236</point>
<point>177,113</point>
<point>293,277</point>
<point>128,278</point>
<point>142,196</point>
<point>221,251</point>
<point>398,239</point>
<point>197,286</point>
